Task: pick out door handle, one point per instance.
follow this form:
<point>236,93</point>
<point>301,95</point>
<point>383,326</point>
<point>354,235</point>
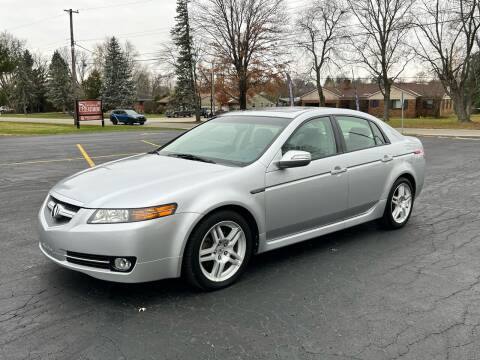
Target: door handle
<point>338,170</point>
<point>387,158</point>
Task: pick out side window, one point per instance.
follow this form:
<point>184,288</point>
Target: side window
<point>377,134</point>
<point>315,136</point>
<point>356,132</point>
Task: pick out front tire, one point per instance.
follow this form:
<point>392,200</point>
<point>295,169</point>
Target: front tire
<point>218,251</point>
<point>399,204</point>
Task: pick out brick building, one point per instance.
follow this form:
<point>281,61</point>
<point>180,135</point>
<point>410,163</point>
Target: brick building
<point>419,99</point>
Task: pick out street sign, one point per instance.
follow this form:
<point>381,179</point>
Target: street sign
<point>87,110</point>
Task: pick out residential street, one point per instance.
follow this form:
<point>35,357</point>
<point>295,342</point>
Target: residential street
<point>187,123</point>
<point>363,293</point>
<point>178,123</point>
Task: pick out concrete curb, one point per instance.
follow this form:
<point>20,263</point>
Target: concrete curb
<point>455,133</point>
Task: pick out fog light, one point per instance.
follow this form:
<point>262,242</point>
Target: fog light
<point>122,264</point>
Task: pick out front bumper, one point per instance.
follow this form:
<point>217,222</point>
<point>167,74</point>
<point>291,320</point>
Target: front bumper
<point>156,244</point>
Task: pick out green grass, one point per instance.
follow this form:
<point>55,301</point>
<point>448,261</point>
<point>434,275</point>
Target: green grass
<point>46,115</point>
<point>433,123</point>
<point>61,115</point>
<point>27,128</point>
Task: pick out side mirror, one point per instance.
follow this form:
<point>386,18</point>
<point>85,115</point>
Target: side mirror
<point>294,158</point>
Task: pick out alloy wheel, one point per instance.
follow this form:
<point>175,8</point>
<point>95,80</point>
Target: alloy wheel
<point>222,251</point>
<point>401,204</point>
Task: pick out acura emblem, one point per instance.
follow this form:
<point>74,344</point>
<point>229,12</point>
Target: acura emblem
<point>55,211</point>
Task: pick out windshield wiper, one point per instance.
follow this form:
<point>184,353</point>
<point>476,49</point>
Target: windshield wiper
<point>191,157</point>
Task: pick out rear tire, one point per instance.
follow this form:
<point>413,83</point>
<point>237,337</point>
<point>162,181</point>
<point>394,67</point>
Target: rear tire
<point>399,205</point>
<point>218,251</point>
<point>114,122</point>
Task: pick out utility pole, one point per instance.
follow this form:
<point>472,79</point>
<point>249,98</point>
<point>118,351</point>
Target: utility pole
<point>402,109</point>
<point>212,91</point>
<point>74,73</point>
<point>290,90</point>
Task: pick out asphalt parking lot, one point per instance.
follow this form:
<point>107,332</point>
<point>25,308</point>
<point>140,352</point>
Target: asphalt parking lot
<point>363,293</point>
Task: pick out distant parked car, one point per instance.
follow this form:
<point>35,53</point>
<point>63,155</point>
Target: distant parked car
<point>205,112</point>
<point>5,109</point>
<point>127,116</point>
<point>179,113</point>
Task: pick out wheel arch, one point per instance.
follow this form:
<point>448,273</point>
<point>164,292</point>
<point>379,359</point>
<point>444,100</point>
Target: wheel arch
<point>410,178</point>
<point>242,210</point>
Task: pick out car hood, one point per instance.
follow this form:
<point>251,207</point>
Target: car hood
<point>137,181</point>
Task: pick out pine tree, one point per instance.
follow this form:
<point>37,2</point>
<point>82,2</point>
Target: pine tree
<point>23,94</point>
<point>40,78</point>
<point>59,85</point>
<point>92,86</point>
<point>118,88</point>
<point>186,95</point>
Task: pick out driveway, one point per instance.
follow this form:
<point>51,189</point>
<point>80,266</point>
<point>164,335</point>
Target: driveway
<point>363,293</point>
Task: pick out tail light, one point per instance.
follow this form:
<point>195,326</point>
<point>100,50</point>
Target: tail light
<point>419,152</point>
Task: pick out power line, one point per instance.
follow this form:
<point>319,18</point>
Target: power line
<point>116,5</point>
<point>34,22</point>
<point>145,32</point>
<point>83,9</point>
<point>84,48</point>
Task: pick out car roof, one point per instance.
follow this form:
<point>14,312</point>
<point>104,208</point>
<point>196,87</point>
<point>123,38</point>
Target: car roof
<point>293,112</point>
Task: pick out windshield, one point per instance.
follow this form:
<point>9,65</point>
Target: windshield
<point>131,112</point>
<point>230,140</point>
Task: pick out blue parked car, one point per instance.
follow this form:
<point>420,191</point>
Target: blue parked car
<point>126,116</point>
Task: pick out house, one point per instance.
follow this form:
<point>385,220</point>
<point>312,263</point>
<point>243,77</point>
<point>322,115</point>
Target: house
<point>285,101</point>
<point>253,102</point>
<point>139,104</point>
<point>419,99</point>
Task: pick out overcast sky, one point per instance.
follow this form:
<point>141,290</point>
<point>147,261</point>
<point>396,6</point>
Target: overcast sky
<point>146,23</point>
<point>45,27</point>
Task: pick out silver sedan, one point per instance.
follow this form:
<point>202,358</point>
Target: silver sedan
<point>240,184</point>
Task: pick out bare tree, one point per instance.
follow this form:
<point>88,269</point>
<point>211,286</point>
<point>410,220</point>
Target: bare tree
<point>381,44</point>
<point>321,25</point>
<point>447,33</point>
<point>244,34</point>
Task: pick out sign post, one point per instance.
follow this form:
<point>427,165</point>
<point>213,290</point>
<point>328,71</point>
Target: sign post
<point>86,110</point>
<point>403,105</point>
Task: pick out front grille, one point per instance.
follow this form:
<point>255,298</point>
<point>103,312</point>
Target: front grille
<point>96,261</point>
<point>60,211</point>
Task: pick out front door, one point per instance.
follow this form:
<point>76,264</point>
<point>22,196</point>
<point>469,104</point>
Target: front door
<point>303,198</point>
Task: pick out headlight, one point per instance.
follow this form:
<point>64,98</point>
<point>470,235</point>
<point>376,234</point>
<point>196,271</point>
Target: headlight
<point>115,216</point>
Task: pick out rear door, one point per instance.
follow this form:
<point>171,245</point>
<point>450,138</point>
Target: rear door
<point>368,159</point>
<point>308,197</point>
<point>122,116</point>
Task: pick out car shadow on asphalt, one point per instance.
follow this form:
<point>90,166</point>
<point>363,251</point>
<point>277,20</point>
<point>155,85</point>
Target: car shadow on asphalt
<point>268,265</point>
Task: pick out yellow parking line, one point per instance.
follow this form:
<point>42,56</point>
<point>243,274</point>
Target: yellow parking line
<point>85,155</point>
<point>150,143</point>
